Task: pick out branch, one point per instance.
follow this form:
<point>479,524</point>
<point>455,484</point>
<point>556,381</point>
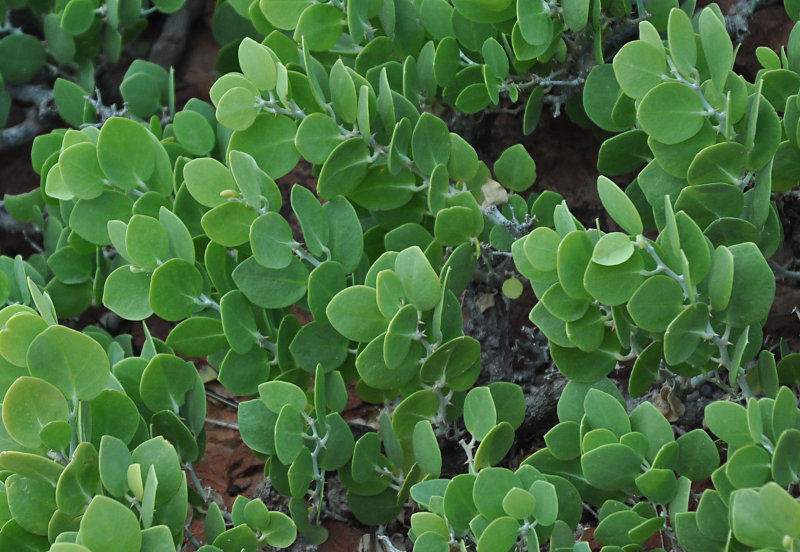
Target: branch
<point>171,43</point>
<point>41,117</point>
<point>739,17</point>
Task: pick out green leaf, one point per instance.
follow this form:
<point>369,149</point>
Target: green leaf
<point>194,132</point>
<point>257,426</point>
<point>685,333</point>
<point>455,225</point>
<point>490,488</point>
<point>480,415</point>
<point>749,466</point>
<point>547,505</point>
<point>422,404</point>
<point>229,224</point>
<point>420,281</point>
<point>430,143</point>
<point>125,153</point>
<point>89,218</point>
<point>785,459</point>
<point>242,373</point>
<point>576,14</point>
<point>136,89</point>
<point>175,289</point>
<point>624,153</point>
<point>604,411</point>
<point>197,336</point>
<point>515,169</point>
<point>126,293</point>
<point>344,169</point>
<point>29,405</point>
<point>573,256</point>
<point>614,285</point>
<point>458,505</point>
<point>32,466</point>
<point>619,206</point>
<point>656,303</point>
<point>354,313</point>
<point>237,108</point>
<point>345,234</point>
<point>682,42</point>
<point>728,421</point>
<point>270,141</point>
<point>541,249</point>
<point>375,371</point>
<point>457,362</point>
<point>271,241</point>
<point>717,47</point>
<point>712,515</point>
<point>146,242</point>
<point>79,480</point>
<point>81,172</point>
<point>426,449</point>
<point>237,539</point>
<point>166,381</point>
<point>611,467</point>
<point>114,461</point>
<point>319,27</point>
<point>206,179</point>
<point>780,508</point>
<point>586,367</point>
<point>31,503</point>
<point>563,440</point>
<point>257,64</point>
<point>343,93</point>
<point>402,329</point>
<point>658,485</point>
<point>535,23</point>
<point>284,14</point>
<point>612,249</point>
<point>70,360</point>
<point>289,431</point>
<point>317,343</point>
<point>520,504</point>
<point>697,455</point>
<point>750,523</point>
<point>21,57</point>
<point>639,67</point>
<point>671,113</point>
<point>271,288</point>
<point>277,394</point>
<point>108,525</point>
<point>601,92</point>
<point>317,136</point>
<point>752,290</point>
<point>724,162</point>
<point>281,531</point>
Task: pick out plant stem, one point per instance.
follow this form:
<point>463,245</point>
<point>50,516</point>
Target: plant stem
<point>783,271</point>
<point>222,423</point>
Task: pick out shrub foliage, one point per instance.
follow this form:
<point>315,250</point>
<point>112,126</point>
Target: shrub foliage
<point>178,214</point>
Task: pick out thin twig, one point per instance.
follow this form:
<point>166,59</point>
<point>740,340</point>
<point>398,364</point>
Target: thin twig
<point>222,423</point>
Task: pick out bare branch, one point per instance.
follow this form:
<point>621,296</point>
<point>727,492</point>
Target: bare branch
<point>40,118</point>
<point>170,45</point>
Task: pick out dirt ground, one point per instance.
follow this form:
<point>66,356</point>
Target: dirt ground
<point>566,158</point>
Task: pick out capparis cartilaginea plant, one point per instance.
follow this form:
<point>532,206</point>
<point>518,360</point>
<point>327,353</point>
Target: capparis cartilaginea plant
<point>184,221</point>
<point>67,38</point>
<point>700,130</point>
<point>95,441</point>
<point>676,301</point>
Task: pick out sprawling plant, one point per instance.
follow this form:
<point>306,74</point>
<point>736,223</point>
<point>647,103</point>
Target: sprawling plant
<point>70,39</point>
<point>181,217</point>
